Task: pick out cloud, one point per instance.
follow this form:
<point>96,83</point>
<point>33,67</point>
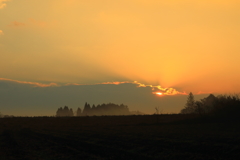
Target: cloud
<point>1,32</point>
<point>16,24</point>
<point>73,84</point>
<point>158,89</point>
<point>35,84</point>
<point>155,89</point>
<point>115,83</point>
<point>2,4</point>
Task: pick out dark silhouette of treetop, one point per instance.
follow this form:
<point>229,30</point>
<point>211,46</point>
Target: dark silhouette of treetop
<point>222,105</point>
<point>86,109</point>
<point>190,105</point>
<point>79,112</point>
<point>103,109</point>
<point>64,112</point>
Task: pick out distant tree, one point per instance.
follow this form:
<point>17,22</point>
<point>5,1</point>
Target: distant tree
<point>70,112</point>
<point>59,112</point>
<point>209,103</point>
<point>190,105</point>
<point>79,112</point>
<point>86,109</point>
<point>93,110</point>
<point>105,109</point>
<point>227,106</point>
<point>63,112</point>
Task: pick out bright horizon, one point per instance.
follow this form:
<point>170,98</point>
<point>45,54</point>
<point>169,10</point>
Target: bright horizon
<point>172,47</point>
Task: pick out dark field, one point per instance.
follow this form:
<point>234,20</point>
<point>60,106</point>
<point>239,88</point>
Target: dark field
<point>119,137</point>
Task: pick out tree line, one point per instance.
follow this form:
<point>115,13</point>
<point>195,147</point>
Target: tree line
<point>221,105</point>
<point>100,109</point>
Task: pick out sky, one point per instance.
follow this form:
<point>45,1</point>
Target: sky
<point>140,47</point>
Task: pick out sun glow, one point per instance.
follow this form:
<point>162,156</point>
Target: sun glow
<point>159,93</point>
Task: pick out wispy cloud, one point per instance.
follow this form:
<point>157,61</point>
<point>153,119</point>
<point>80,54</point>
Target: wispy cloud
<point>16,24</point>
<point>2,4</point>
<point>73,84</point>
<point>115,83</point>
<point>35,84</point>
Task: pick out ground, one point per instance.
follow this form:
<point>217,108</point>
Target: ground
<point>118,137</point>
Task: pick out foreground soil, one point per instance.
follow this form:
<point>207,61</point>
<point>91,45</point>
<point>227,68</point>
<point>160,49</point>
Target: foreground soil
<point>118,137</point>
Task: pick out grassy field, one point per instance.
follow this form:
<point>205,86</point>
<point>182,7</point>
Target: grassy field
<point>118,137</point>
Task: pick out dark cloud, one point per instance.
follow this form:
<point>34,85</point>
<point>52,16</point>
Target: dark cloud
<point>25,99</point>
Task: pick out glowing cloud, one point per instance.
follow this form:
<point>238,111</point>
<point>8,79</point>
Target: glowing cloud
<point>35,84</point>
<point>1,32</point>
<point>158,90</point>
<point>116,83</point>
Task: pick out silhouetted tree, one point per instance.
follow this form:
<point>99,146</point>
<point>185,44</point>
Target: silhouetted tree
<point>190,105</point>
<point>86,109</point>
<point>222,105</point>
<point>209,103</point>
<point>70,112</point>
<point>62,112</point>
<point>79,112</point>
<point>59,112</point>
<point>105,109</point>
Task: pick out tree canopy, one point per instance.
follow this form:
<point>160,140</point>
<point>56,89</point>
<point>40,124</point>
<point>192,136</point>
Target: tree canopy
<point>64,112</point>
<point>221,105</point>
<point>105,109</point>
<point>100,109</point>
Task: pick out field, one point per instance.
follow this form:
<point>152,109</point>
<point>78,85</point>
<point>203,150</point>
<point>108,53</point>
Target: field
<point>119,137</point>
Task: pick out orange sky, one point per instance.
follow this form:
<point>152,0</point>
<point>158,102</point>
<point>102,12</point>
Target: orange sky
<point>186,45</point>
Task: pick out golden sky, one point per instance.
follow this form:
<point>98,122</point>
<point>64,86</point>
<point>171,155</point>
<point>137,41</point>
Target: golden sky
<point>190,45</point>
